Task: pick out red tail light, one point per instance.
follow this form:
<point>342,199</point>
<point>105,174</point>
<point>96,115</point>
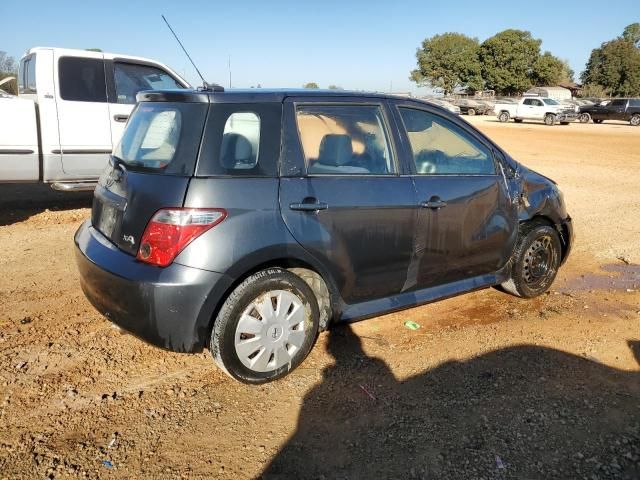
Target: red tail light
<point>172,229</point>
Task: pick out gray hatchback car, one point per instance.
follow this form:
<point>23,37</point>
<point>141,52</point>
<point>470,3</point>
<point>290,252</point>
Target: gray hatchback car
<point>248,221</point>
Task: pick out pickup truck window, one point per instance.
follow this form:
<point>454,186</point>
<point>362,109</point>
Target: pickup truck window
<point>532,102</point>
<point>82,79</point>
<point>442,148</point>
<point>27,75</point>
<point>550,101</point>
<point>132,78</point>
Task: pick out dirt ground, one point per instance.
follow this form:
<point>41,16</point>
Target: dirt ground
<point>489,386</point>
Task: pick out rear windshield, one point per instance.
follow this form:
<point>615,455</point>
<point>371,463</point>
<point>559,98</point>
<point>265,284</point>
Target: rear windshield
<point>162,137</point>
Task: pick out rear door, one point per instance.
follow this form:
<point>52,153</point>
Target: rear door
<point>467,224</point>
<point>342,194</point>
<point>150,169</point>
<point>618,109</point>
<point>125,78</point>
<point>83,114</point>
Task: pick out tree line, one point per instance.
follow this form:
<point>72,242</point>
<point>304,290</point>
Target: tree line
<point>511,62</point>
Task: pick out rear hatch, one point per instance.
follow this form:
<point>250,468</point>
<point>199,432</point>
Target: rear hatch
<point>150,169</point>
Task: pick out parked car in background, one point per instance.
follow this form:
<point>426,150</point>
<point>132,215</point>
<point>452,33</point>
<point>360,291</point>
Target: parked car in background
<point>471,107</point>
<point>623,109</point>
<point>548,110</point>
<point>444,104</point>
<point>248,221</point>
<point>71,110</point>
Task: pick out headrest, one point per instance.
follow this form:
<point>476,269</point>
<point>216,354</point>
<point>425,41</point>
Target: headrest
<point>235,149</point>
<point>335,150</point>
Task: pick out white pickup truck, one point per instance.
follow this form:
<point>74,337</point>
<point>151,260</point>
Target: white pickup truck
<point>70,113</point>
<point>536,108</point>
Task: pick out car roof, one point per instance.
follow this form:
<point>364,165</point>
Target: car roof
<point>219,95</point>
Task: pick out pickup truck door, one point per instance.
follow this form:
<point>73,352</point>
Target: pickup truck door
<point>532,108</point>
<point>125,78</point>
<point>83,114</point>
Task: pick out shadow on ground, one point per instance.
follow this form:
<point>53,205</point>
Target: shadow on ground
<point>523,412</point>
<point>20,201</point>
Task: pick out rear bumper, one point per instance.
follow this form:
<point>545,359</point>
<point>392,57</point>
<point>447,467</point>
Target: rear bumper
<point>168,307</point>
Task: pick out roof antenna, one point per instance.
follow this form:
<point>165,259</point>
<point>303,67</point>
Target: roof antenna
<point>205,86</point>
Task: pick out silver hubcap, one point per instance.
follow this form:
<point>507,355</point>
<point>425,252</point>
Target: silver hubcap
<point>271,330</point>
<point>635,120</point>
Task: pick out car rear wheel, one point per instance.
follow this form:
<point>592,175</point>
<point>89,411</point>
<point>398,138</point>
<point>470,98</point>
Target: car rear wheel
<point>549,119</point>
<point>535,261</point>
<point>635,119</point>
<point>471,111</point>
<point>503,117</point>
<point>266,327</point>
<point>584,118</point>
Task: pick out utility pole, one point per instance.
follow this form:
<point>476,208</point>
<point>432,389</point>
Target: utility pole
<point>229,71</point>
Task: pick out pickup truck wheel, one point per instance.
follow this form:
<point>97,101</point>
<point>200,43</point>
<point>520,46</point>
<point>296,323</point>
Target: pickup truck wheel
<point>471,112</point>
<point>266,327</point>
<point>584,118</point>
<point>535,261</point>
<point>517,120</point>
<point>549,119</point>
<point>503,117</point>
<point>635,119</point>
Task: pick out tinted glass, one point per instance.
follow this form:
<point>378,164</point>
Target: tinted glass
<point>441,147</point>
<point>618,103</point>
<point>132,78</point>
<point>82,79</point>
<point>550,101</point>
<point>528,101</point>
<point>344,140</point>
<point>634,102</point>
<point>240,141</point>
<point>162,137</point>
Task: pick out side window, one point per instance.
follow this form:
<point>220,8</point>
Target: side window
<point>441,147</point>
<point>344,140</point>
<point>528,101</point>
<point>27,75</point>
<point>537,103</point>
<point>131,78</point>
<point>240,142</point>
<point>82,79</point>
<point>618,103</point>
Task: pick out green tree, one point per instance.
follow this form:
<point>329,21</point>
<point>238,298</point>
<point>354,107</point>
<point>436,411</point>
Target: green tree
<point>8,68</point>
<point>567,72</point>
<point>632,34</point>
<point>448,61</point>
<point>94,50</point>
<point>334,87</point>
<point>615,66</point>
<point>547,70</point>
<point>508,60</point>
<point>310,85</point>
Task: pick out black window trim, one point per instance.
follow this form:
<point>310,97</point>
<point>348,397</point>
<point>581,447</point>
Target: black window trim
<point>464,128</point>
<point>104,70</point>
<point>358,103</point>
<point>25,78</point>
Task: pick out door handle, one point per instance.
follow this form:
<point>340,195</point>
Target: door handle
<point>121,118</point>
<point>309,206</point>
<point>433,202</point>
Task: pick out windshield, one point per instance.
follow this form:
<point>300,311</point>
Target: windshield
<point>163,137</point>
<point>550,101</point>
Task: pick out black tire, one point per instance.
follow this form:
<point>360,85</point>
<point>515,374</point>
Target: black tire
<point>471,111</point>
<point>549,119</point>
<point>503,117</point>
<point>535,261</point>
<point>597,121</point>
<point>517,120</point>
<point>635,120</point>
<point>584,118</point>
<point>223,335</point>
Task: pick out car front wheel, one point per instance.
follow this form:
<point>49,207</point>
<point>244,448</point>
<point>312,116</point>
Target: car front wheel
<point>584,118</point>
<point>535,261</point>
<point>503,117</point>
<point>635,120</point>
<point>266,327</point>
<point>550,119</point>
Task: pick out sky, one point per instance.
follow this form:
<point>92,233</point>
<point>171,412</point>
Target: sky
<point>357,45</point>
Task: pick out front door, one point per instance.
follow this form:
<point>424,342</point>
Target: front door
<point>83,114</point>
<point>348,206</point>
<point>467,224</point>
